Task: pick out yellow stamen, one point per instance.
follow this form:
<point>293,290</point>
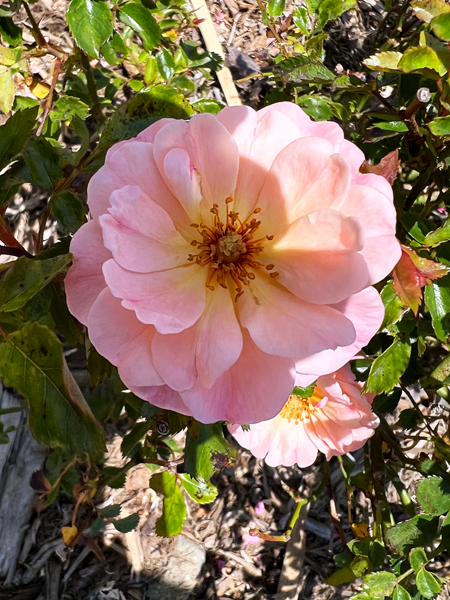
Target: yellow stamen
<point>299,409</point>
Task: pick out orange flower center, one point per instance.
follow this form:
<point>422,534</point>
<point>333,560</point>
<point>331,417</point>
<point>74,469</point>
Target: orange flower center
<point>299,409</point>
<point>229,249</point>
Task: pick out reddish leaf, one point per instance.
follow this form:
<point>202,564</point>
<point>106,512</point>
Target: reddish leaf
<point>40,483</point>
<point>429,268</point>
<point>411,273</point>
<point>408,282</point>
<point>388,167</point>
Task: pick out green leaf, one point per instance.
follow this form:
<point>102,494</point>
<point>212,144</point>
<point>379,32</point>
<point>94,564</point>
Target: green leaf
<point>115,50</point>
<point>207,454</point>
<point>388,368</point>
<point>427,10</point>
<point>174,509</point>
<point>394,308</point>
<point>433,495</point>
<point>400,593</point>
<point>275,8</point>
<point>26,278</point>
<point>10,32</point>
<point>418,531</point>
<point>197,58</point>
<point>98,367</point>
<point>399,126</point>
<point>344,575</point>
<point>111,511</point>
<point>427,584</point>
<point>184,84</point>
<point>165,63</point>
<point>302,68</point>
<point>440,126</point>
<point>442,234</point>
<point>317,107</point>
<point>441,26</point>
<point>7,57</point>
<point>138,432</point>
<point>64,321</point>
<point>139,18</point>
<point>418,558</point>
<point>379,585</point>
<point>127,524</point>
<point>437,300</point>
<point>66,107</point>
<point>91,24</point>
<point>387,403</point>
<point>68,210</point>
<point>419,59</point>
<point>377,554</point>
<point>208,105</point>
<point>329,10</point>
<point>31,360</point>
<point>44,163</point>
<point>143,110</point>
<point>7,90</point>
<point>198,490</point>
<point>300,18</point>
<point>384,61</point>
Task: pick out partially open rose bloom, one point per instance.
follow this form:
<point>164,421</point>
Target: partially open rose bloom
<point>336,419</point>
<point>227,252</point>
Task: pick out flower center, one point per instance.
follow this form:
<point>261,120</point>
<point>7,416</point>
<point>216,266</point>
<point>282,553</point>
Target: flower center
<point>300,409</point>
<point>229,249</point>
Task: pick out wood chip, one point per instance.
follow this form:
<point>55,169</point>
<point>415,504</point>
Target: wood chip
<point>212,44</point>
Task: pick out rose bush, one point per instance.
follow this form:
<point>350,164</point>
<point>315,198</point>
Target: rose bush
<point>334,420</point>
<point>230,257</point>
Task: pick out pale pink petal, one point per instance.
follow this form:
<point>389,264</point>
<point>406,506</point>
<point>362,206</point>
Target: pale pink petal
<point>378,216</point>
<point>241,122</point>
<point>140,234</point>
<point>148,135</point>
<point>170,300</point>
<point>133,164</point>
<point>280,323</point>
<point>306,452</point>
<point>304,177</point>
<point>161,396</point>
<point>354,156</point>
<point>85,281</point>
<point>366,311</point>
<point>203,352</point>
<point>253,389</point>
<point>374,181</point>
<point>184,180</point>
<point>212,151</point>
<point>318,257</point>
<point>290,110</point>
<point>123,340</point>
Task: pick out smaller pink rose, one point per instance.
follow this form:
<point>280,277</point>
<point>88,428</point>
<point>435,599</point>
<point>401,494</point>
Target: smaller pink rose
<point>336,419</point>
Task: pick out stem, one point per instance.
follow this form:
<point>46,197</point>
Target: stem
<point>41,41</point>
<point>96,109</point>
<point>48,103</point>
<point>40,239</point>
<point>15,251</point>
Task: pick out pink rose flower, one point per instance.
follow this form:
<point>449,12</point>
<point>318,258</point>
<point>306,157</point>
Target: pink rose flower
<point>335,420</point>
<point>227,252</point>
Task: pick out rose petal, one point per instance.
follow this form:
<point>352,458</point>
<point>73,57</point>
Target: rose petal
<point>203,352</point>
<point>85,280</point>
<point>280,323</point>
<point>140,234</point>
<point>170,300</point>
<point>126,342</point>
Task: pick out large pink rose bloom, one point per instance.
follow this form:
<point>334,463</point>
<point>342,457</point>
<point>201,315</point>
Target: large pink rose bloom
<point>336,419</point>
<point>227,252</point>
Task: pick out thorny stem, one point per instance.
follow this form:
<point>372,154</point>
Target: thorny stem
<point>41,41</point>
